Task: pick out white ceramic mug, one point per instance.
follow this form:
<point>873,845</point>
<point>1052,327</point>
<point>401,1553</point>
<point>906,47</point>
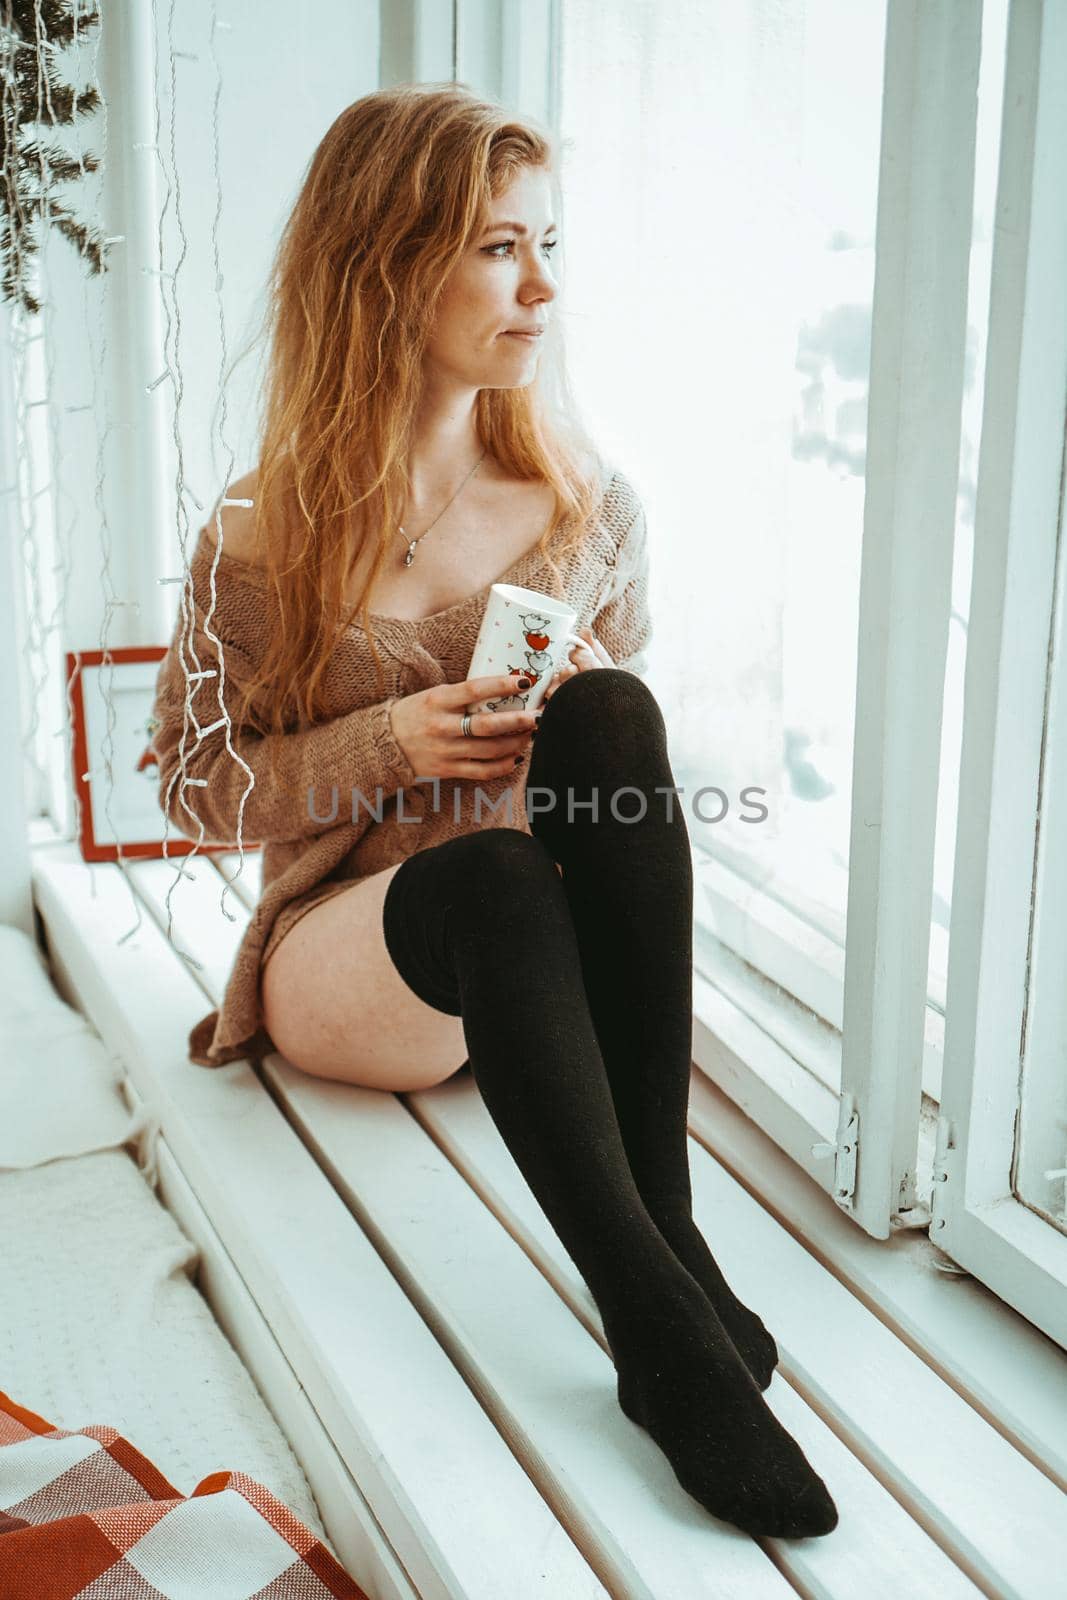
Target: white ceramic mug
<point>524,633</point>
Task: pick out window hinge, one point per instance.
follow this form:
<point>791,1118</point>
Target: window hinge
<point>944,1141</point>
<point>844,1150</point>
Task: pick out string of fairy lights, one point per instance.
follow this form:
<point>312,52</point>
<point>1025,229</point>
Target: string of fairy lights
<point>173,371</point>
<point>98,406</point>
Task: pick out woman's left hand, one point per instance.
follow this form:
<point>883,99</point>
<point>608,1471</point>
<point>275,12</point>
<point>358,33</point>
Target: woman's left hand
<point>581,658</point>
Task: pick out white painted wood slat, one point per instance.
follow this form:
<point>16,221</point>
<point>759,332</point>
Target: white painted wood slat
<point>1002,1365</point>
<point>357,1538</point>
<point>550,1386</point>
<point>833,1372</point>
<point>420,1451</point>
<point>526,1351</point>
<point>407,1179</point>
<point>895,1414</point>
<point>581,1472</point>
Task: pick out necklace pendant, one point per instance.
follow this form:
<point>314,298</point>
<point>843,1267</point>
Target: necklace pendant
<point>409,558</point>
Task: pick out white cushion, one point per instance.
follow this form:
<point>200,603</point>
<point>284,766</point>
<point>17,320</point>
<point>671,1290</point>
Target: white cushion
<point>99,1319</point>
<point>59,1085</point>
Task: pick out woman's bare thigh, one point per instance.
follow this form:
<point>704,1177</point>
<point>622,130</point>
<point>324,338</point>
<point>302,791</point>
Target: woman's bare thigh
<point>336,1006</point>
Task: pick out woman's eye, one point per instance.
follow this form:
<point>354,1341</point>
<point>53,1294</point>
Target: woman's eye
<point>508,244</point>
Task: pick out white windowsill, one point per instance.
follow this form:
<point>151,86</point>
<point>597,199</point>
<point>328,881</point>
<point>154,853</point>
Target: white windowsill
<point>815,1276</point>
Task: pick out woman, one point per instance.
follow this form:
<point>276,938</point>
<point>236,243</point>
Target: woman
<point>415,394</point>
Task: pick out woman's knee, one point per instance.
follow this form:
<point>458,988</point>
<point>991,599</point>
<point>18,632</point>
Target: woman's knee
<point>484,857</point>
<point>486,878</point>
<point>613,685</point>
<point>479,893</point>
<point>601,716</point>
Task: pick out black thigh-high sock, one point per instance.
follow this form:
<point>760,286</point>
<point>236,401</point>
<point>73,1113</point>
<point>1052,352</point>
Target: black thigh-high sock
<point>479,927</point>
<point>629,885</point>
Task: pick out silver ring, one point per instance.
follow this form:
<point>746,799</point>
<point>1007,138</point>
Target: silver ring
<point>466,725</point>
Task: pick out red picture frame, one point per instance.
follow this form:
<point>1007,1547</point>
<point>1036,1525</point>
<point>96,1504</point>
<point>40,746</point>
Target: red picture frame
<point>126,811</point>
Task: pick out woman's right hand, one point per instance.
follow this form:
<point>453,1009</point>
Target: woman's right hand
<point>428,727</point>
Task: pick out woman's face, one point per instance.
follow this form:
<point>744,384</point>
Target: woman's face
<point>505,281</point>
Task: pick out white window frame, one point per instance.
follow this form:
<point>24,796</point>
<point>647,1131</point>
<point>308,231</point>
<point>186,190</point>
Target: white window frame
<point>783,1012</point>
<point>417,42</point>
<point>1012,662</point>
<point>509,49</point>
<point>925,205</point>
<point>16,894</point>
<point>853,1089</point>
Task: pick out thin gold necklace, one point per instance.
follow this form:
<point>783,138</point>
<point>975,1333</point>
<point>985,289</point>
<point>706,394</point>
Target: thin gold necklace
<point>409,558</point>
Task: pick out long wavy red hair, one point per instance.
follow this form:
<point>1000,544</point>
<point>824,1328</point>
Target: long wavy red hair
<point>394,195</point>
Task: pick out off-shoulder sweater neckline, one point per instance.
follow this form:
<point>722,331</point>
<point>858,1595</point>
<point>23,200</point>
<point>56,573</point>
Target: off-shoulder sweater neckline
<point>526,565</point>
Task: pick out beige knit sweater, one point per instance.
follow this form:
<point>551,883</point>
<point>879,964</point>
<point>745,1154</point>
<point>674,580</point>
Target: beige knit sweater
<point>304,860</point>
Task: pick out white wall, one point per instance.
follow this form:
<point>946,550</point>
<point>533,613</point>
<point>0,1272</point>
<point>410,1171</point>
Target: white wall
<point>286,73</point>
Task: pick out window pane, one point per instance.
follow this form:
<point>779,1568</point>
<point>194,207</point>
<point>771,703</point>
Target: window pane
<point>720,193</point>
<point>720,205</point>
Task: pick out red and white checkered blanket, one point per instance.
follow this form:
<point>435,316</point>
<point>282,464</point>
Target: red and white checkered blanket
<point>84,1513</point>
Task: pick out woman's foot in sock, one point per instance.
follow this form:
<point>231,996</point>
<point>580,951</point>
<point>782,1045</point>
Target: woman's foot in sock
<point>697,1400</point>
<point>754,1344</point>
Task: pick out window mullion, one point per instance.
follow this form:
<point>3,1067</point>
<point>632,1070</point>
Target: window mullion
<point>925,198</point>
<point>417,42</point>
<point>509,49</point>
<point>1014,658</point>
<point>16,900</point>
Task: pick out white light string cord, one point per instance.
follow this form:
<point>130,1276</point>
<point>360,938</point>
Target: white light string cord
<point>199,673</point>
<point>172,371</point>
<point>226,447</point>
